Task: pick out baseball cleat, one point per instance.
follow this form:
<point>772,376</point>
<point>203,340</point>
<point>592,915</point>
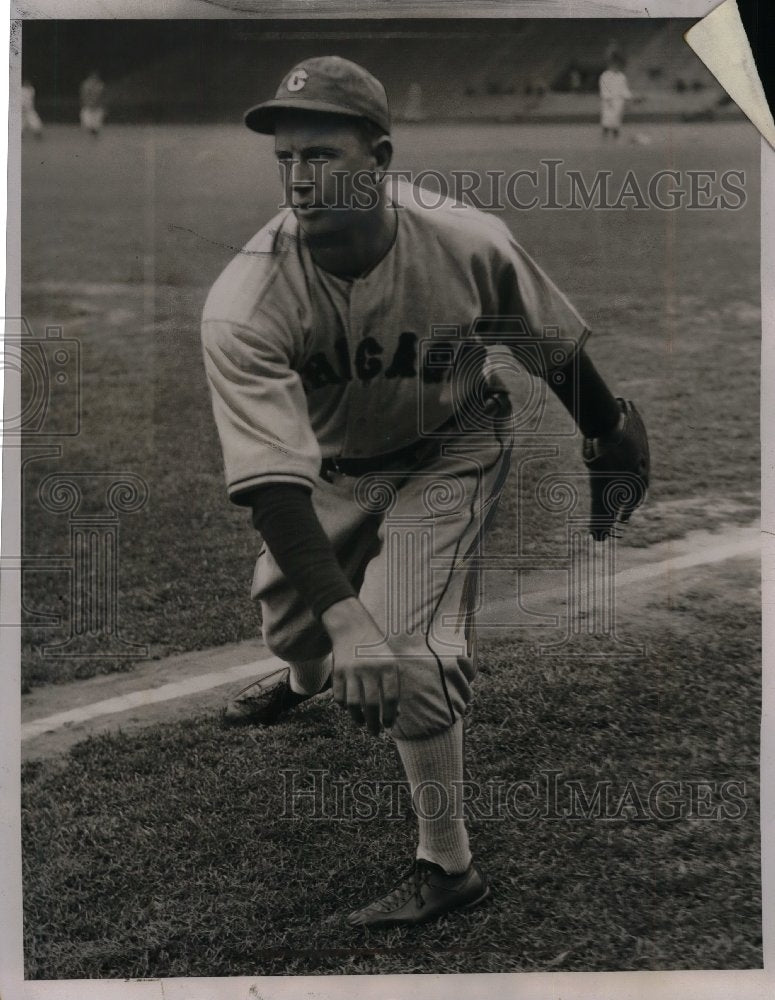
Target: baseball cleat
<point>266,700</point>
<point>424,893</point>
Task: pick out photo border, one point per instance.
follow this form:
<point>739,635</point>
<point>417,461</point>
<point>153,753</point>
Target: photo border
<point>750,985</point>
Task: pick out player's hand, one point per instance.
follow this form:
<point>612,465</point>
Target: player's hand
<point>365,673</point>
<point>619,467</point>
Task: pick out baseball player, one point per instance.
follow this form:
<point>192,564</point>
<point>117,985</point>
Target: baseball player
<point>92,95</point>
<point>30,118</point>
<point>345,349</point>
<point>614,94</point>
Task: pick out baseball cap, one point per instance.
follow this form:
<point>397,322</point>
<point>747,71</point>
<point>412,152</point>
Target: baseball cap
<point>327,84</point>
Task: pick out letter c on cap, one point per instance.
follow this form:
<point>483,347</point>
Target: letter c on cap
<point>298,79</point>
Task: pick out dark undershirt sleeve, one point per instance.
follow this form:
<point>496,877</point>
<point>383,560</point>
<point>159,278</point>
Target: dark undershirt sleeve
<point>586,397</point>
<point>284,515</point>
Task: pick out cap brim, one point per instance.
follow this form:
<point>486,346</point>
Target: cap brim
<point>262,117</point>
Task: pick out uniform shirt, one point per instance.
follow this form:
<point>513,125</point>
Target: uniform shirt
<point>92,91</point>
<point>304,365</point>
<point>613,86</point>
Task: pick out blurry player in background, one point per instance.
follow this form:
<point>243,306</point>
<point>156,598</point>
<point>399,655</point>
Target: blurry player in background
<point>30,118</point>
<point>614,94</point>
<point>92,95</point>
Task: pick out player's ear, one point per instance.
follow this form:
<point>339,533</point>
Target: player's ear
<point>382,151</point>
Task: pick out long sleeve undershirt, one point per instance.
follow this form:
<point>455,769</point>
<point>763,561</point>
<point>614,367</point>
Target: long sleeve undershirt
<point>587,398</point>
<point>284,515</point>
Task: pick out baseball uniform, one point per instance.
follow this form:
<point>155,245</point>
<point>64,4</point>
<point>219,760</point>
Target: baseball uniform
<point>358,425</point>
<point>30,117</point>
<point>92,94</point>
<point>369,392</point>
<point>614,93</point>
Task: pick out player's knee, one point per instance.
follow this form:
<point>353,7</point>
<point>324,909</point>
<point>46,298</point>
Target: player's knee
<point>296,646</point>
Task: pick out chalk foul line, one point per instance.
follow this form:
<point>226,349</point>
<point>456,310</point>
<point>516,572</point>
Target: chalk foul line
<point>149,696</point>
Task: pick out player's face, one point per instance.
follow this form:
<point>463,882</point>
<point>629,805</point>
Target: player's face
<point>326,167</point>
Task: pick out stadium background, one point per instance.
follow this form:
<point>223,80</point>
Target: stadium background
<point>471,69</point>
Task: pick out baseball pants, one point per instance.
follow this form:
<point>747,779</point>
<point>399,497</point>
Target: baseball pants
<point>408,540</point>
<point>92,118</point>
<point>612,112</point>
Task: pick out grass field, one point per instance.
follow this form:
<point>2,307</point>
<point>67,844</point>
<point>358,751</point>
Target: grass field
<point>164,853</point>
<point>174,853</point>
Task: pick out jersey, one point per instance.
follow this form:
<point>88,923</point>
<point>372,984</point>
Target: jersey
<point>613,86</point>
<point>303,365</point>
<point>30,117</point>
<point>28,97</point>
<point>92,93</point>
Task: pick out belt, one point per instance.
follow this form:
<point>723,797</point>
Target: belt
<point>406,456</point>
<point>496,406</point>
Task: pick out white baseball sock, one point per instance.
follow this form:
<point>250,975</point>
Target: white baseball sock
<point>434,767</point>
<point>309,676</point>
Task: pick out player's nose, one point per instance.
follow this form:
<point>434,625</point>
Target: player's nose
<point>302,185</point>
<point>302,173</point>
<point>302,194</point>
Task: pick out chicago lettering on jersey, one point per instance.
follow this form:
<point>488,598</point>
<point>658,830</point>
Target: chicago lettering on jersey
<point>370,361</point>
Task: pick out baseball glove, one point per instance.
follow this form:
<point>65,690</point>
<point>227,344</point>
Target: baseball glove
<point>618,464</point>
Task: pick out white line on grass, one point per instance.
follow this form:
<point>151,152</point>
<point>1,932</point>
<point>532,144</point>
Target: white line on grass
<point>749,546</point>
<point>150,696</point>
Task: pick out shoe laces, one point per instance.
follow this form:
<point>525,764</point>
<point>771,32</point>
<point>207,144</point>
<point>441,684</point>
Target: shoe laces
<point>267,695</point>
<point>422,876</point>
<point>410,884</point>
